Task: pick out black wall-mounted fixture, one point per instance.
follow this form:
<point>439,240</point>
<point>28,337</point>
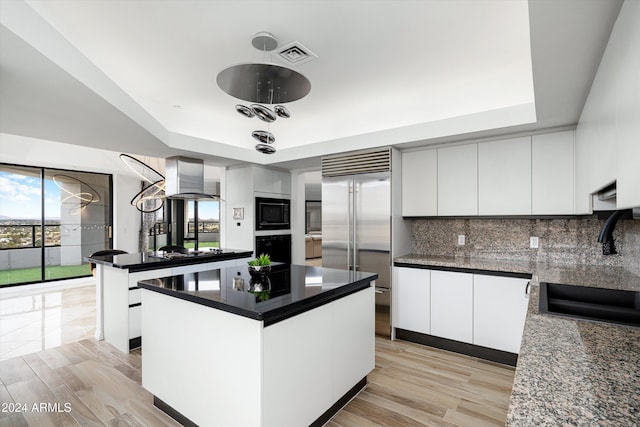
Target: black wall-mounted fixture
<point>606,234</point>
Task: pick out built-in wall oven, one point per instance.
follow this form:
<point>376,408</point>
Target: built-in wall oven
<point>278,247</point>
<point>273,214</point>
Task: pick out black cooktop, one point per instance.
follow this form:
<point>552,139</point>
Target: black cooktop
<point>192,254</point>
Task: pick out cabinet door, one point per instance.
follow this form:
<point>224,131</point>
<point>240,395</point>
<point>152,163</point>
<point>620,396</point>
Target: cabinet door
<point>281,182</point>
<point>263,180</point>
<point>627,89</point>
<point>552,174</point>
<point>420,183</point>
<point>353,346</point>
<point>135,321</point>
<point>458,180</point>
<point>297,352</point>
<point>499,310</point>
<point>504,177</point>
<point>412,290</point>
<point>452,305</point>
<point>271,181</point>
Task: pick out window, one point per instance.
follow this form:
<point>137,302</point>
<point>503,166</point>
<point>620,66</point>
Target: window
<point>194,224</point>
<point>203,224</point>
<point>71,209</point>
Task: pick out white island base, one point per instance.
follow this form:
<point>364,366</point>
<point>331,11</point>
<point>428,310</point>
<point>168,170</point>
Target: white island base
<point>209,367</point>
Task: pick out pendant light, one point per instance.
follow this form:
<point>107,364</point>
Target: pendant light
<point>260,84</point>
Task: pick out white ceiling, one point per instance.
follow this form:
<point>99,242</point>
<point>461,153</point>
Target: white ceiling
<point>110,74</point>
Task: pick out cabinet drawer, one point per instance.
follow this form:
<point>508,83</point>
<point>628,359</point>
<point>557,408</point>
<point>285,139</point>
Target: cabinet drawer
<point>135,321</point>
<point>135,296</point>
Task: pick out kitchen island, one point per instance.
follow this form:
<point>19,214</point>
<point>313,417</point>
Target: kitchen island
<point>569,371</point>
<point>290,349</point>
<point>118,304</point>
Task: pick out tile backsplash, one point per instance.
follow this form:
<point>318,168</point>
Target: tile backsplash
<point>566,241</point>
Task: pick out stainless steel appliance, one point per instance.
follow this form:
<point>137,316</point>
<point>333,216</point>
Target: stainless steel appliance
<point>357,221</point>
<point>273,214</point>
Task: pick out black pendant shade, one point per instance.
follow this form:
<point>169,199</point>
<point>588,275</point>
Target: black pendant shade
<point>263,83</point>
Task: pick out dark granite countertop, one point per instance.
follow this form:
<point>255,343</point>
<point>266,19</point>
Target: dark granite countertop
<point>293,289</point>
<point>155,260</point>
<point>569,371</point>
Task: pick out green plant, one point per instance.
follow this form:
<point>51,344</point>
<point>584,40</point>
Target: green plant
<point>262,295</point>
<point>263,259</point>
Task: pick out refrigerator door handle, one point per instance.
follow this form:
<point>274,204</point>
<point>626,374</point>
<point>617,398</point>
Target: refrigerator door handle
<point>350,215</point>
<point>354,237</point>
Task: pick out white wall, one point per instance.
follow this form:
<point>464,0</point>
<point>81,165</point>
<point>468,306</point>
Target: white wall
<point>21,150</point>
<point>126,219</point>
<point>297,217</point>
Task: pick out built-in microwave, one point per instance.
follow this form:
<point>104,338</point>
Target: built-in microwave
<point>273,214</point>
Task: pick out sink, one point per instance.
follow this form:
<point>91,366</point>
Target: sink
<point>604,305</point>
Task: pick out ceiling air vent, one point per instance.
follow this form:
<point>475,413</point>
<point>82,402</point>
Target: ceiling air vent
<point>295,53</point>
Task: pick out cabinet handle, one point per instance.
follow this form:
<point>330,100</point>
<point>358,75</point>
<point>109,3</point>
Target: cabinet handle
<point>526,289</point>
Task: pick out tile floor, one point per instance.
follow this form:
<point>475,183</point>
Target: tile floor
<point>39,317</point>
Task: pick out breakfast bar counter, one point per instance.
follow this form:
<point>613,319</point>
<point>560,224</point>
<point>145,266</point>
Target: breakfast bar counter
<point>118,304</point>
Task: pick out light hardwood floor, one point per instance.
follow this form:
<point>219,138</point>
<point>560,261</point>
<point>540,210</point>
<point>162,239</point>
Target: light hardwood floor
<point>90,383</point>
<point>414,385</point>
<point>411,386</point>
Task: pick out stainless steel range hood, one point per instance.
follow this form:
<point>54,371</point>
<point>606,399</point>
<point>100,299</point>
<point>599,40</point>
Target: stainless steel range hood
<point>185,179</point>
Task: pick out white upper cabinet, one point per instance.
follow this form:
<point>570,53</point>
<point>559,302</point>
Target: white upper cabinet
<point>627,89</point>
<point>458,180</point>
<point>607,147</point>
<point>420,183</point>
<point>271,181</point>
<point>517,176</point>
<point>504,177</point>
<point>552,174</point>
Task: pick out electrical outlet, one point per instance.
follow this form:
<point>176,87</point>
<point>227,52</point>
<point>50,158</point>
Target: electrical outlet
<point>461,239</point>
<point>533,242</point>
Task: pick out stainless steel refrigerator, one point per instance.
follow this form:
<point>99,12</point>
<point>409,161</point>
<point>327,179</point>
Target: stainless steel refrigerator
<point>356,231</point>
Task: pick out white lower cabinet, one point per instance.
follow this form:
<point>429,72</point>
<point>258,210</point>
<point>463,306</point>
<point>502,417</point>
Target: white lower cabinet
<point>412,299</point>
<point>483,310</point>
<point>311,360</point>
<point>499,311</point>
<point>135,321</point>
<point>452,305</point>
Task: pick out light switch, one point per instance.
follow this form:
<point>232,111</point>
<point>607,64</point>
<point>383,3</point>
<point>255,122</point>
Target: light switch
<point>461,239</point>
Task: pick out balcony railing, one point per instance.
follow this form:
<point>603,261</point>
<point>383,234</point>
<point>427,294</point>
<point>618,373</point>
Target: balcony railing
<point>204,226</point>
<point>19,236</point>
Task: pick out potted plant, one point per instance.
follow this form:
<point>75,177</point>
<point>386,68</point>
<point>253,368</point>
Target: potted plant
<point>260,266</point>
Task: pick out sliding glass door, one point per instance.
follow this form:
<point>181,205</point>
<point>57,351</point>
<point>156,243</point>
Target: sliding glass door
<point>20,225</point>
<point>49,221</point>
